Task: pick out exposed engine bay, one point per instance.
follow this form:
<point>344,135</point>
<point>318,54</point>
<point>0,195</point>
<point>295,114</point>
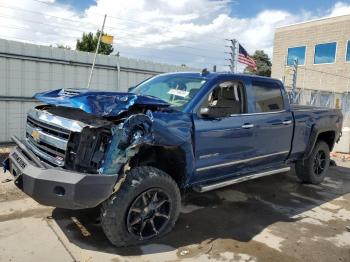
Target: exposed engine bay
<point>102,145</point>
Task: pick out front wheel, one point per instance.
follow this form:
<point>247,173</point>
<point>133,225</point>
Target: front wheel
<point>313,170</point>
<point>146,207</point>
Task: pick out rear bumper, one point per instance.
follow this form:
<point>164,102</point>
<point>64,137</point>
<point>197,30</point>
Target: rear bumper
<point>56,186</point>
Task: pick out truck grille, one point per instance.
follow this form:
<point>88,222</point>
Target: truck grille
<point>48,142</point>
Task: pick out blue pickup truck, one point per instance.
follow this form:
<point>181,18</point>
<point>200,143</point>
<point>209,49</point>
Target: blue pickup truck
<point>132,154</point>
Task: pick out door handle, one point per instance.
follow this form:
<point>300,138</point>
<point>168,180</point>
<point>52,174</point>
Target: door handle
<point>287,122</point>
<point>246,126</point>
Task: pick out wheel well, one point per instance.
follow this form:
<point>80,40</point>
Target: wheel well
<point>328,137</point>
<point>171,160</point>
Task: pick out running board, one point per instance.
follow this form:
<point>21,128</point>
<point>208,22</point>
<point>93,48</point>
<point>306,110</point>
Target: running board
<point>205,188</point>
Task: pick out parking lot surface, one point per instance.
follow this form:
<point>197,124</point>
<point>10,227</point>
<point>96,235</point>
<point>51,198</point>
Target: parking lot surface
<point>268,219</point>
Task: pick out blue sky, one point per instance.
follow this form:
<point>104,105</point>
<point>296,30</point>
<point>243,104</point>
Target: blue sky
<point>190,32</point>
<point>79,5</point>
<point>247,8</point>
<point>250,8</point>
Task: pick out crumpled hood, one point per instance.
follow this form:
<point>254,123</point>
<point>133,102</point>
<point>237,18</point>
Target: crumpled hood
<point>98,103</point>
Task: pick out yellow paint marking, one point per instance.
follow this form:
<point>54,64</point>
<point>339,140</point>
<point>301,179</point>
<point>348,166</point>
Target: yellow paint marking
<point>83,229</point>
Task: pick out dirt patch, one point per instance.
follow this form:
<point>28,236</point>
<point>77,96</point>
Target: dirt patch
<point>12,194</point>
<point>8,190</point>
<point>37,213</point>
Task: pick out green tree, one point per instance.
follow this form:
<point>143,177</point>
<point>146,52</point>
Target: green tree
<point>88,43</point>
<point>263,64</point>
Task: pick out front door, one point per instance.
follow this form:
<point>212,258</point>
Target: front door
<point>223,133</point>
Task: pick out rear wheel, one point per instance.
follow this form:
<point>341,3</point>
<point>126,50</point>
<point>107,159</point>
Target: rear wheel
<point>314,169</point>
<point>146,207</point>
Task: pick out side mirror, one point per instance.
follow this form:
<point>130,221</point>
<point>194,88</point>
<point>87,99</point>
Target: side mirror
<point>204,111</point>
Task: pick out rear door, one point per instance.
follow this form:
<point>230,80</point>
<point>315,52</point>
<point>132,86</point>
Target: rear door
<point>273,124</point>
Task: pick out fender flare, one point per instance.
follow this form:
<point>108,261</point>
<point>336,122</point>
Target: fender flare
<point>315,132</point>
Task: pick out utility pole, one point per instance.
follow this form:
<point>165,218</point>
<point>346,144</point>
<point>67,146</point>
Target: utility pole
<point>284,68</point>
<point>98,46</point>
<point>232,53</point>
<point>294,83</point>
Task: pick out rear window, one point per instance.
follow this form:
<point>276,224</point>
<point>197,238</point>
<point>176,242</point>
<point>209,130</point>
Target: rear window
<point>268,97</point>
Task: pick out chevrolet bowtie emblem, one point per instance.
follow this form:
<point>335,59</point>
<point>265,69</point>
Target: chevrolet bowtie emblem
<point>35,135</point>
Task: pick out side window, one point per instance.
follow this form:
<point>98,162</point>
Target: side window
<point>268,97</point>
<point>296,53</point>
<point>325,53</point>
<point>226,99</point>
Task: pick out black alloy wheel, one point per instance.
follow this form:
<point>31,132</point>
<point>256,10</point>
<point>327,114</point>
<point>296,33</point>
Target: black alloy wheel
<point>319,163</point>
<point>149,213</point>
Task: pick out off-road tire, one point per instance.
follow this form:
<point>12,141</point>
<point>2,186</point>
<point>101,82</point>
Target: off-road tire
<point>305,169</point>
<point>115,210</point>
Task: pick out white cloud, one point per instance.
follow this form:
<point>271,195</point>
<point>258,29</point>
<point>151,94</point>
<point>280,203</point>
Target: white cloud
<point>339,8</point>
<point>183,31</point>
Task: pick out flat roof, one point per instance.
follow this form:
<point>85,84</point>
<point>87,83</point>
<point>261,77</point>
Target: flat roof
<point>318,21</point>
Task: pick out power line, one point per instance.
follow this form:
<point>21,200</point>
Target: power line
<point>130,54</point>
<point>28,41</point>
<point>77,21</point>
<point>89,29</point>
<point>117,18</point>
<point>323,72</point>
<point>158,50</point>
<point>85,24</point>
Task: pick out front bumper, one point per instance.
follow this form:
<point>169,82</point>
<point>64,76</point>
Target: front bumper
<point>56,186</point>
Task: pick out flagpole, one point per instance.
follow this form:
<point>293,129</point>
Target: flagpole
<point>98,46</point>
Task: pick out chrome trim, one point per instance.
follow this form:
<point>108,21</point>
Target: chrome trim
<point>239,161</point>
<point>208,156</point>
<point>43,155</point>
<point>47,138</point>
<point>260,113</point>
<point>287,122</point>
<point>29,153</point>
<point>57,121</point>
<point>247,126</point>
<point>239,180</point>
<point>46,148</point>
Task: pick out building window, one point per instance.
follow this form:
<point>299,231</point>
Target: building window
<point>348,52</point>
<point>325,53</point>
<point>296,53</point>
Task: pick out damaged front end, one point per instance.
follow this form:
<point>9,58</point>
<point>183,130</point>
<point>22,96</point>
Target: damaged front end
<point>75,159</point>
<point>71,159</point>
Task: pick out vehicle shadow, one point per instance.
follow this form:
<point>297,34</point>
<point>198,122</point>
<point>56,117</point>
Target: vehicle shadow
<point>238,212</point>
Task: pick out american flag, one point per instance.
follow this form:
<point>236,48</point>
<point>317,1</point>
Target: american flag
<point>244,58</point>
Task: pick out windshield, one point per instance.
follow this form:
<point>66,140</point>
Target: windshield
<point>174,89</point>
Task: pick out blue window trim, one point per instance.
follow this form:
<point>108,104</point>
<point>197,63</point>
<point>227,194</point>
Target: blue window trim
<point>297,47</point>
<point>335,54</point>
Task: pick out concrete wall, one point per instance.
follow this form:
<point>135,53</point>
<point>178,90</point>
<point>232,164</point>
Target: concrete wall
<point>26,69</point>
<point>322,76</point>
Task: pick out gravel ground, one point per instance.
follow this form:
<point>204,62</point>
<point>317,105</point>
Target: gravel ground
<point>268,219</point>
